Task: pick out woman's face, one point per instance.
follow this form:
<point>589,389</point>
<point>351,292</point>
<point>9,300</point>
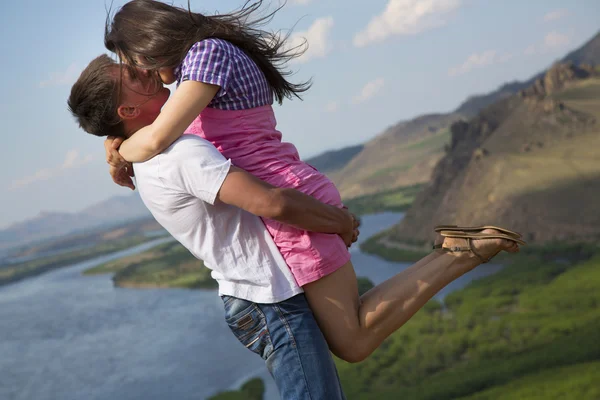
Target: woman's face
<point>167,74</point>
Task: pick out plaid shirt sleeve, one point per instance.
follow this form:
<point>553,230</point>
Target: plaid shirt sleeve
<point>209,62</point>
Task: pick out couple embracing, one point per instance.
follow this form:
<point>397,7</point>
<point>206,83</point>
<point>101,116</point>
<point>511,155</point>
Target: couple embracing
<point>211,167</point>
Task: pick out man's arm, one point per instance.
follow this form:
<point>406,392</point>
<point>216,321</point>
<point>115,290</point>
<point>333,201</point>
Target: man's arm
<point>288,206</point>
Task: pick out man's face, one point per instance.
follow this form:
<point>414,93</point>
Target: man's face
<point>143,97</point>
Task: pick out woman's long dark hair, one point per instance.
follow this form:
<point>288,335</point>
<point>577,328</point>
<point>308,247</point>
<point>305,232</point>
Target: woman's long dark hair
<point>161,35</point>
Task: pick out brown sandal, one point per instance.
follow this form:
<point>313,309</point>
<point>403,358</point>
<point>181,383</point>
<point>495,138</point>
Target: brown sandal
<point>457,241</point>
<point>508,232</point>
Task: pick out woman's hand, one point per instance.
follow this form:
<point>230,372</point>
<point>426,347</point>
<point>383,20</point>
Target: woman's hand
<point>120,170</point>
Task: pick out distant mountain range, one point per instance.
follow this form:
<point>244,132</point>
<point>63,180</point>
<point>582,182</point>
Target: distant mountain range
<point>48,225</point>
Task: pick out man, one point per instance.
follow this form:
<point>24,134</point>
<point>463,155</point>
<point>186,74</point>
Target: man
<point>207,205</point>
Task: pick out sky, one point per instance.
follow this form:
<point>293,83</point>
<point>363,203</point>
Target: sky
<point>373,63</point>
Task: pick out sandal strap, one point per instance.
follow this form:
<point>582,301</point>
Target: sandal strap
<point>483,260</point>
<point>468,247</point>
<point>451,248</point>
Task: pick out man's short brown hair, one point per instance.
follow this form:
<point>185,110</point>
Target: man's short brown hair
<point>94,98</point>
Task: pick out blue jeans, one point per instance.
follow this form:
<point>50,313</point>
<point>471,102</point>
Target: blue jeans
<point>288,338</point>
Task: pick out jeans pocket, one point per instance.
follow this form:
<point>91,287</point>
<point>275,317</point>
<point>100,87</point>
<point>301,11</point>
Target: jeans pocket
<point>249,326</point>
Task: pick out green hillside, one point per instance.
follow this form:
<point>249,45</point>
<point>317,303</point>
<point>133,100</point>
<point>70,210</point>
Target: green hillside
<point>167,265</point>
<point>575,381</point>
<point>502,335</point>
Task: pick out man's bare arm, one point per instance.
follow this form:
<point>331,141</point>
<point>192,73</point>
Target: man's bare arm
<point>288,206</point>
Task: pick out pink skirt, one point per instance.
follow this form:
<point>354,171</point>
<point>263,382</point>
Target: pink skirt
<point>250,139</point>
<point>310,255</point>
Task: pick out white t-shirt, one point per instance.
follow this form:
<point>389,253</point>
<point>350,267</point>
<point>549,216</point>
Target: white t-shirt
<point>180,188</point>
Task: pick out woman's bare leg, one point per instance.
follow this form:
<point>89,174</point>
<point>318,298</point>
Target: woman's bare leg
<point>355,326</point>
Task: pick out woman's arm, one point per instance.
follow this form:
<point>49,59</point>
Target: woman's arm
<point>179,112</point>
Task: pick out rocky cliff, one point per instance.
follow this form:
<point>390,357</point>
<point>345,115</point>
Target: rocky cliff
<point>530,162</point>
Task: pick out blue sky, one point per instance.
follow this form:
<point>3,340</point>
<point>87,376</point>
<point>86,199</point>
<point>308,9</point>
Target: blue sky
<point>373,62</point>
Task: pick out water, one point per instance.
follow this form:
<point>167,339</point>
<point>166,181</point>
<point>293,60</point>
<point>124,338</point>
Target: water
<point>71,337</point>
<point>50,253</point>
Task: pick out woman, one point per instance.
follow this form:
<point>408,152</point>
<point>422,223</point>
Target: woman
<point>228,74</point>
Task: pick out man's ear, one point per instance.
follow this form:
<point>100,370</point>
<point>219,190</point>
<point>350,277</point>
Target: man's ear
<point>128,112</point>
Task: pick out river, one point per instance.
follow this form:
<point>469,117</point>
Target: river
<point>65,336</point>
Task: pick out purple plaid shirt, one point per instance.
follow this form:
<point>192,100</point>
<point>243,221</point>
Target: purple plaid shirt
<point>218,62</point>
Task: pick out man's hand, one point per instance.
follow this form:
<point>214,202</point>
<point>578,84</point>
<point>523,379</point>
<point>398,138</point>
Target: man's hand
<point>120,170</point>
<point>351,235</point>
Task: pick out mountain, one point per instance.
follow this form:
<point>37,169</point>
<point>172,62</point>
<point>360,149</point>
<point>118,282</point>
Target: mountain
<point>334,160</point>
<point>589,53</point>
<point>406,153</point>
<point>403,155</point>
<point>529,162</point>
<point>476,103</point>
<point>52,224</point>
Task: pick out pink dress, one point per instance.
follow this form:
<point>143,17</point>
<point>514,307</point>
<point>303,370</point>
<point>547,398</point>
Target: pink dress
<point>250,139</point>
<point>241,124</point>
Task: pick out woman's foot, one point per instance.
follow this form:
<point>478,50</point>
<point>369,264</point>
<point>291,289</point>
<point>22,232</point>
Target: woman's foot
<point>476,229</point>
<point>483,249</point>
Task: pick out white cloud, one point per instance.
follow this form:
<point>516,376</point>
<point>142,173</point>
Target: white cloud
<point>555,15</point>
<point>406,17</point>
<point>72,160</point>
<point>40,175</point>
<point>301,2</point>
<point>552,41</point>
<point>479,60</point>
<point>62,78</point>
<point>317,37</point>
<point>369,90</point>
<point>332,107</point>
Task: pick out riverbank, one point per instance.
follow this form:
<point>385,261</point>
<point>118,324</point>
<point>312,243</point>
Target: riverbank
<point>168,265</point>
<point>380,245</point>
<point>11,273</point>
<point>395,200</point>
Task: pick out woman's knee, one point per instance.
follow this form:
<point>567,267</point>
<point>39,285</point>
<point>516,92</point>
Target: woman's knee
<point>352,351</point>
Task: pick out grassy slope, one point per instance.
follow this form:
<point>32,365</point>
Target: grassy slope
<point>577,381</point>
<point>167,265</point>
<point>401,157</point>
<point>398,199</point>
<point>536,314</point>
